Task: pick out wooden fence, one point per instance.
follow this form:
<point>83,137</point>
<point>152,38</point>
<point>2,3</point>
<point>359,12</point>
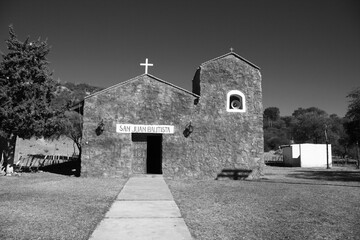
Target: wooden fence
<point>273,159</point>
<point>33,162</point>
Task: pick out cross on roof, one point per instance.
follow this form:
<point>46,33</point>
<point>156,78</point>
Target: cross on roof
<point>231,49</point>
<point>146,64</point>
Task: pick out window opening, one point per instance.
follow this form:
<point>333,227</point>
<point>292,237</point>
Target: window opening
<point>235,101</point>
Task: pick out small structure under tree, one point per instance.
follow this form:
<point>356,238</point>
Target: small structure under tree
<point>306,155</point>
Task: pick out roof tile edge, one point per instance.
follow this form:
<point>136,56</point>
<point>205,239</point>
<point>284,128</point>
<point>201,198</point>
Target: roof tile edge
<point>134,78</point>
<point>236,55</point>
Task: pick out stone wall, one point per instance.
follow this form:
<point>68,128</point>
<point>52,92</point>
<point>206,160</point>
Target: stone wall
<point>142,100</point>
<point>230,139</point>
<point>220,139</point>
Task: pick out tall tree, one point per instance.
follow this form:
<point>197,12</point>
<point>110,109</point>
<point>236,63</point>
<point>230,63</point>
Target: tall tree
<point>27,88</point>
<point>337,135</point>
<point>309,125</point>
<point>352,126</point>
<point>271,114</point>
<point>71,123</point>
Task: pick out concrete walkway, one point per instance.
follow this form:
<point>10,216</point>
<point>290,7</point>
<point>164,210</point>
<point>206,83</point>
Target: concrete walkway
<point>144,209</point>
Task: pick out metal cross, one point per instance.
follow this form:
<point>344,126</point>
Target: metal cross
<point>231,49</point>
<point>146,64</point>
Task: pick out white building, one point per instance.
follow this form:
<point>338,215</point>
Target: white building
<point>306,155</point>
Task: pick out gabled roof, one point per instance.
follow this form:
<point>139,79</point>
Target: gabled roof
<point>234,54</point>
<point>136,78</point>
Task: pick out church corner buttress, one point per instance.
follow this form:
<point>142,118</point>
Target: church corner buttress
<point>150,126</point>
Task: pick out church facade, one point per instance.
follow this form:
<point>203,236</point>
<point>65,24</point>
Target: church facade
<point>149,126</point>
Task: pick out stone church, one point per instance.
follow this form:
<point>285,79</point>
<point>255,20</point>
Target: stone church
<point>146,125</point>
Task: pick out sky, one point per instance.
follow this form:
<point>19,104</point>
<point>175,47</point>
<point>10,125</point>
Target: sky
<point>308,50</point>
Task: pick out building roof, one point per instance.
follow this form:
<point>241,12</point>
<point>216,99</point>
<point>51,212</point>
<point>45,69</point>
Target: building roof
<point>170,84</point>
<point>234,54</point>
<point>136,78</point>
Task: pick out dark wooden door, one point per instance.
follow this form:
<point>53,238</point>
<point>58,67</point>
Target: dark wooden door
<point>154,154</point>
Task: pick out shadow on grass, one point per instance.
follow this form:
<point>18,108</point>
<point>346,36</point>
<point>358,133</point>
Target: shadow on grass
<point>345,176</point>
<point>275,164</point>
<point>307,183</point>
<point>70,168</point>
<point>234,174</point>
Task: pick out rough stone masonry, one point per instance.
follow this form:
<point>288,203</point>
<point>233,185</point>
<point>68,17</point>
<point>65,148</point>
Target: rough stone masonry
<point>149,125</point>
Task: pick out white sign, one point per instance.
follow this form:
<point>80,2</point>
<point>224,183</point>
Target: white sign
<point>133,128</point>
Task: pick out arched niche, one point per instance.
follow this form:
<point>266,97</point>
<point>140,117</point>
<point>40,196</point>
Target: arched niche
<point>235,101</point>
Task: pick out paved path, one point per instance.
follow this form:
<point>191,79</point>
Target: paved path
<point>144,209</point>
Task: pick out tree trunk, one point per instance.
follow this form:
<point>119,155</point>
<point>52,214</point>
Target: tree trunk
<point>80,150</point>
<point>7,149</point>
<point>78,169</point>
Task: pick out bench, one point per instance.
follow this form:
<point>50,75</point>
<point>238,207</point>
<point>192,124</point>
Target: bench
<point>234,174</point>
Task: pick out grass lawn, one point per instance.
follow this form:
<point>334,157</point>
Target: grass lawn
<point>50,206</point>
<point>286,204</point>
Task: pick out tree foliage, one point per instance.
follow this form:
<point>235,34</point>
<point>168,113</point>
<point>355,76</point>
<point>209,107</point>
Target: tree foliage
<point>27,89</point>
<point>70,125</point>
<point>352,125</point>
<point>275,129</point>
<point>309,125</point>
<point>305,125</point>
<point>272,113</point>
<point>68,94</point>
<point>274,137</point>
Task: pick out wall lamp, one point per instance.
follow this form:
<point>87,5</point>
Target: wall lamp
<point>188,130</point>
<point>100,128</point>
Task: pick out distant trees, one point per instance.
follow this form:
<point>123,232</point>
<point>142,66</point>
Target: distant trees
<point>352,125</point>
<point>307,125</point>
<point>70,93</point>
<point>271,114</point>
<point>27,89</point>
<point>275,130</point>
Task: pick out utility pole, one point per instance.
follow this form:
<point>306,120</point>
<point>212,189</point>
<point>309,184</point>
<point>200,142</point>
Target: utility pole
<point>327,148</point>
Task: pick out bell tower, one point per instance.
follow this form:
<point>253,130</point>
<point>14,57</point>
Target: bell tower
<point>230,112</point>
